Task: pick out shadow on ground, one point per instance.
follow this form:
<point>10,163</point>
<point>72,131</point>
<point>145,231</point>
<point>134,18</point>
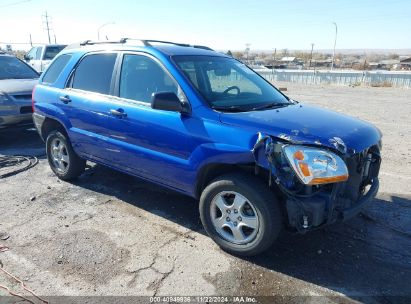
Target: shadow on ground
<point>367,258</point>
<point>21,142</point>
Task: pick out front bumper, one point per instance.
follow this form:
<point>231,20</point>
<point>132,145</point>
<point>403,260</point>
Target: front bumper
<point>16,121</point>
<point>325,208</point>
<point>339,201</point>
<point>362,202</point>
<point>16,111</point>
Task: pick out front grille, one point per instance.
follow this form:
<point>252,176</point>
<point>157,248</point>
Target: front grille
<point>22,96</point>
<point>25,110</point>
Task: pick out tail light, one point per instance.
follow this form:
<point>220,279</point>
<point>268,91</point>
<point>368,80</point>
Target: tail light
<point>32,99</point>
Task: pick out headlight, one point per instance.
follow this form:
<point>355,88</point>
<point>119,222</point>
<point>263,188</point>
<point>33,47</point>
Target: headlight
<point>314,166</point>
<point>3,97</point>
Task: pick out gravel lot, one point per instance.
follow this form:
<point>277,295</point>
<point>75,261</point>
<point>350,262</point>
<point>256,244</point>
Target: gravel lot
<point>115,235</point>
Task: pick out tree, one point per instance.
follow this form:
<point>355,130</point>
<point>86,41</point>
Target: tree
<point>229,53</point>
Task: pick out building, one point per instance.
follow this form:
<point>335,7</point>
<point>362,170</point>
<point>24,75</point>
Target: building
<point>405,64</point>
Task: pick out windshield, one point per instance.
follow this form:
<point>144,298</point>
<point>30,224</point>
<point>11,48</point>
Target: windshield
<point>52,51</point>
<point>13,68</point>
<point>228,84</point>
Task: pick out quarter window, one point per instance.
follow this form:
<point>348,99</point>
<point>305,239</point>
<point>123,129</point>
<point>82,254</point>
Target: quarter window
<point>94,73</point>
<point>55,69</point>
<point>141,76</point>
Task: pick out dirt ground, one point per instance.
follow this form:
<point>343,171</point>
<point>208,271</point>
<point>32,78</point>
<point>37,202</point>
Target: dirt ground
<point>114,235</point>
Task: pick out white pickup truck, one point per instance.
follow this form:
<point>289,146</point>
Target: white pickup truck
<point>39,57</point>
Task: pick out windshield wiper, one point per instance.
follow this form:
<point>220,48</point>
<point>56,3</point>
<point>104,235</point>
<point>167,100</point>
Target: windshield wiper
<point>229,108</point>
<point>273,105</point>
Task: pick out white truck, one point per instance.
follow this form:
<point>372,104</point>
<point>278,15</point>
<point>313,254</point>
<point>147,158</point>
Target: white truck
<point>39,57</point>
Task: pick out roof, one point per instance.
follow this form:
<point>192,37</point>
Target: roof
<point>167,48</point>
<point>389,61</point>
<point>53,44</point>
<point>287,59</point>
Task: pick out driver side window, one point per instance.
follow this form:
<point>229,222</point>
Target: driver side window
<point>32,54</point>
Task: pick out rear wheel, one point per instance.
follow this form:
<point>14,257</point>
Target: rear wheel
<point>240,214</point>
<point>64,162</point>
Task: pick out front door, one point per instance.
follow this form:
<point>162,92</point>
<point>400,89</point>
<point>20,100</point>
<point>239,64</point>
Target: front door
<point>153,143</point>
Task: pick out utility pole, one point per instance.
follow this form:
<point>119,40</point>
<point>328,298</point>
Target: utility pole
<point>31,41</point>
<point>55,39</point>
<point>247,50</point>
<point>47,24</point>
<point>335,42</point>
<point>311,56</point>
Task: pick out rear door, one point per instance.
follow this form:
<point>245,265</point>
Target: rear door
<point>86,103</point>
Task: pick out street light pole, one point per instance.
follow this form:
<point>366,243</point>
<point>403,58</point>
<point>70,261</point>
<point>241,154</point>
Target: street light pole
<point>101,26</point>
<point>335,42</point>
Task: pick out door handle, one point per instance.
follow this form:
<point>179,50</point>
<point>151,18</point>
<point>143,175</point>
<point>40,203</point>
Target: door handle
<point>118,113</point>
<point>65,99</point>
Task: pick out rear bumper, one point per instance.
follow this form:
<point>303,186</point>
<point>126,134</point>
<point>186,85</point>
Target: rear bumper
<point>38,123</point>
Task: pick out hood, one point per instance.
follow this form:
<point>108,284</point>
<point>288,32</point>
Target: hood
<point>12,86</point>
<point>307,124</point>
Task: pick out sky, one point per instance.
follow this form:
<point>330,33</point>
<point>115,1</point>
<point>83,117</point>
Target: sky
<point>219,24</point>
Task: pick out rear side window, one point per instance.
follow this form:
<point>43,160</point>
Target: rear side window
<point>55,69</point>
<point>94,73</point>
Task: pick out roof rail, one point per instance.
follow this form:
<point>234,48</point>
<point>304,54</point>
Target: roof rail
<point>90,42</point>
<point>145,42</point>
<point>148,42</point>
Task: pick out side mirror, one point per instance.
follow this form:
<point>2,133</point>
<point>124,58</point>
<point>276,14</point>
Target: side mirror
<point>166,101</point>
<point>26,57</point>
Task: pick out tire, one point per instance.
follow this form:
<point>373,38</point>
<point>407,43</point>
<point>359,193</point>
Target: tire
<point>262,208</point>
<point>64,162</point>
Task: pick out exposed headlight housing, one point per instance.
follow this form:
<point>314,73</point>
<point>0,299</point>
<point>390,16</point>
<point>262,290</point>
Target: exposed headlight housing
<point>315,166</point>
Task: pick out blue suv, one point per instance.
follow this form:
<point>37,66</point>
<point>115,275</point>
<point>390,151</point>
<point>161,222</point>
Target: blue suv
<point>204,124</point>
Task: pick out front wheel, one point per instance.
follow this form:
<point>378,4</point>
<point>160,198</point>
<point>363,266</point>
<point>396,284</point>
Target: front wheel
<point>64,162</point>
<point>240,214</point>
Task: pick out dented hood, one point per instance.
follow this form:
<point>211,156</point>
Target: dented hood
<point>307,124</point>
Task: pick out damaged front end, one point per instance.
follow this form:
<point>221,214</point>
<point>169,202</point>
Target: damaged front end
<point>318,185</point>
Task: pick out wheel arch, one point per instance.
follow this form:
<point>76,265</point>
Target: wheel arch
<point>211,171</point>
<point>51,124</point>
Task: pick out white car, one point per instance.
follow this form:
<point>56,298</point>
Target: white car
<point>39,57</point>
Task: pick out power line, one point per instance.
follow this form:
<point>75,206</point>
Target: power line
<point>14,3</point>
